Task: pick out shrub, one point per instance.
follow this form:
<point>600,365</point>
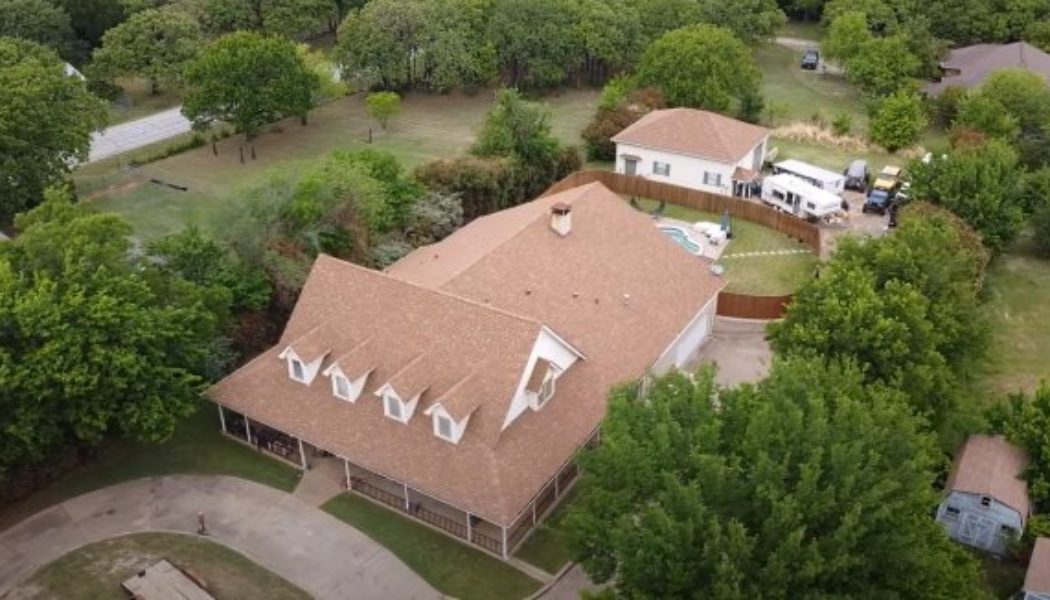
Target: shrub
<point>483,184</point>
<point>608,122</point>
<point>383,106</point>
<point>899,121</point>
<point>389,250</point>
<point>842,124</point>
<point>946,106</point>
<point>1041,227</point>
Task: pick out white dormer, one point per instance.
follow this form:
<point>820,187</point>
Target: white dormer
<point>343,386</point>
<point>445,426</point>
<point>394,407</point>
<point>551,356</point>
<point>298,369</point>
<point>543,391</point>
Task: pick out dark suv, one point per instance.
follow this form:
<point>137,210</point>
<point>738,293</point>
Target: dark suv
<point>879,201</point>
<point>810,59</point>
<point>857,176</point>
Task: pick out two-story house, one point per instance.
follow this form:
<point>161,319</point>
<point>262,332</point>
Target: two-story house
<point>458,385</point>
<point>693,148</point>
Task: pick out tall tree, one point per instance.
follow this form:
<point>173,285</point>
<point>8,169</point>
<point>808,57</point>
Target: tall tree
<point>289,18</point>
<point>899,121</point>
<point>457,49</point>
<point>91,19</point>
<point>882,66</point>
<point>808,485</point>
<point>155,44</point>
<point>609,35</point>
<point>701,66</point>
<point>981,184</point>
<point>37,21</point>
<point>534,42</point>
<point>379,46</point>
<point>249,80</point>
<point>1026,422</point>
<point>752,21</point>
<point>45,124</point>
<point>95,345</point>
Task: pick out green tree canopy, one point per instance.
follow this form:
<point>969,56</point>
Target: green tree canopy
<point>249,80</point>
<point>289,18</point>
<point>981,184</point>
<point>383,106</point>
<point>45,123</point>
<point>1013,104</point>
<point>95,343</point>
<point>155,44</point>
<point>379,45</point>
<point>899,121</point>
<point>535,42</point>
<point>752,21</point>
<point>845,36</point>
<point>1026,422</point>
<point>808,485</point>
<point>882,66</point>
<point>37,21</point>
<point>700,66</point>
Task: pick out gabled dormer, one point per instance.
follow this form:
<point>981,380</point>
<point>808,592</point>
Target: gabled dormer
<point>446,426</point>
<point>349,372</point>
<point>550,358</point>
<point>395,406</point>
<point>451,412</point>
<point>301,369</point>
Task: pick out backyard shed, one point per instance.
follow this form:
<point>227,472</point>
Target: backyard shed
<point>1037,578</point>
<point>829,181</point>
<point>986,504</point>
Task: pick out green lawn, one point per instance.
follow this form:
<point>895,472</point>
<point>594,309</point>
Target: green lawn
<point>453,568</point>
<point>546,547</point>
<point>1018,288</point>
<point>96,571</point>
<point>430,126</point>
<point>757,275</point>
<point>805,30</point>
<point>196,447</point>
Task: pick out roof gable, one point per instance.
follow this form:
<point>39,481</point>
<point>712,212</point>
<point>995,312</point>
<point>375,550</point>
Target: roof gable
<point>991,466</point>
<point>694,132</point>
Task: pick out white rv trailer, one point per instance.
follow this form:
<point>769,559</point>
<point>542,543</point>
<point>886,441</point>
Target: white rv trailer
<point>829,181</point>
<point>792,195</point>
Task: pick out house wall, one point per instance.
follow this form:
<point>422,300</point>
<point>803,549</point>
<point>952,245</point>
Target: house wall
<point>976,525</point>
<point>689,341</point>
<point>550,348</point>
<point>688,171</point>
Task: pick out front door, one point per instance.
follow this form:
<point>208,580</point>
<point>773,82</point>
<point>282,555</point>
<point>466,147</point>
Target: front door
<point>630,166</point>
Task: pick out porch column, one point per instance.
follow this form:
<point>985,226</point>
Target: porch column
<point>222,418</point>
<point>405,485</point>
<point>470,536</point>
<point>247,429</point>
<point>346,464</point>
<point>504,553</point>
<point>302,455</point>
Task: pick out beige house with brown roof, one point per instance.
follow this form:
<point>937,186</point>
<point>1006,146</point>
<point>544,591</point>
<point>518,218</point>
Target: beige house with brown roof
<point>1037,577</point>
<point>692,148</point>
<point>987,502</point>
<point>458,385</point>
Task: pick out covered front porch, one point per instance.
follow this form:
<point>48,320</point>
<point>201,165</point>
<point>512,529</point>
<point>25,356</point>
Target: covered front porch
<point>500,541</point>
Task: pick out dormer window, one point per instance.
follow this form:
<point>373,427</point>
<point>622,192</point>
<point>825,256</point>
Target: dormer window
<point>298,370</point>
<point>547,388</point>
<point>341,386</point>
<point>444,428</point>
<point>392,407</point>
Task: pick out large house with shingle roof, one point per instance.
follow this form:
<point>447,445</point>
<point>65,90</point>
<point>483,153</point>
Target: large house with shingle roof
<point>458,385</point>
<point>969,66</point>
<point>693,148</point>
<point>986,504</point>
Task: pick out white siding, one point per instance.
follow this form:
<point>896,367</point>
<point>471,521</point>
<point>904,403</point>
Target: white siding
<point>688,171</point>
<point>686,344</point>
<point>977,525</point>
<point>549,347</point>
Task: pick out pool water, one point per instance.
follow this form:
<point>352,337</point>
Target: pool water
<point>682,239</point>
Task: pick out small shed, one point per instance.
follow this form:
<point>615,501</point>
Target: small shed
<point>986,504</point>
<point>829,181</point>
<point>1037,579</point>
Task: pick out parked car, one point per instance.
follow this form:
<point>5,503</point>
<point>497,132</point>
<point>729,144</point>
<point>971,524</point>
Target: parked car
<point>857,175</point>
<point>878,201</point>
<point>889,179</point>
<point>810,59</point>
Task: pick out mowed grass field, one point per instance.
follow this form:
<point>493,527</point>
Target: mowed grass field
<point>96,571</point>
<point>429,127</point>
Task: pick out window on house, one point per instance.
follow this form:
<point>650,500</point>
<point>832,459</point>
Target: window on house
<point>714,179</point>
<point>444,427</point>
<point>661,168</point>
<point>547,387</point>
<point>951,513</point>
<point>341,386</point>
<point>986,501</point>
<point>393,407</point>
<point>298,372</point>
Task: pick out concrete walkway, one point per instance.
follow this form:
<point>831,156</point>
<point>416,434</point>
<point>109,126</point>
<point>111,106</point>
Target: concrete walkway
<point>315,551</point>
<point>125,137</point>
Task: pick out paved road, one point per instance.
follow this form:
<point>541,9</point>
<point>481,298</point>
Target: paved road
<point>138,133</point>
<point>315,551</point>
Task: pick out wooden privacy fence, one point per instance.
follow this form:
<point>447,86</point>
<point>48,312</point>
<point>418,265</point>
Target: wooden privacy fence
<point>632,185</point>
<point>742,306</point>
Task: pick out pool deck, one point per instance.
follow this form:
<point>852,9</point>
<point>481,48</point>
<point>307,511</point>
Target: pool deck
<point>710,251</point>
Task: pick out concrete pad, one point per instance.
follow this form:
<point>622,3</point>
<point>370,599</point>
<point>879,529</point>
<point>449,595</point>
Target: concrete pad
<point>137,134</point>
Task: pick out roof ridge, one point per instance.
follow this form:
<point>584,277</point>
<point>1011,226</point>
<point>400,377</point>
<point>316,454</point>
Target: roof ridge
<point>432,291</point>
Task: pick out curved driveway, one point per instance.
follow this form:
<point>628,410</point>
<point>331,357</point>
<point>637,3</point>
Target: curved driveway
<point>315,551</point>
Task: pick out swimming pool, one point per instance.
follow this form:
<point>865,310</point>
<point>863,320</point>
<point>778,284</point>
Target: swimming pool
<point>681,238</point>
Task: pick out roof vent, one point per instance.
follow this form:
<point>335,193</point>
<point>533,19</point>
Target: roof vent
<point>561,218</point>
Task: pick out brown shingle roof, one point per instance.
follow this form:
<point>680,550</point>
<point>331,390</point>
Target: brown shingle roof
<point>991,466</point>
<point>694,132</point>
<point>975,63</point>
<point>615,288</point>
<point>1037,578</point>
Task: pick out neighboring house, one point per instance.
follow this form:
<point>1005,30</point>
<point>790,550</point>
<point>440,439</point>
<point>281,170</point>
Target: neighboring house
<point>987,502</point>
<point>1037,579</point>
<point>969,66</point>
<point>695,149</point>
<point>458,385</point>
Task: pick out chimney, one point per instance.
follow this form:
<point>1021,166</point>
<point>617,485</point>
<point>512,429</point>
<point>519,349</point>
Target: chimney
<point>561,218</point>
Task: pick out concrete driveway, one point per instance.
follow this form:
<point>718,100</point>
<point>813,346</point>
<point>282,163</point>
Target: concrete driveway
<point>315,551</point>
<point>739,350</point>
<point>125,137</point>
